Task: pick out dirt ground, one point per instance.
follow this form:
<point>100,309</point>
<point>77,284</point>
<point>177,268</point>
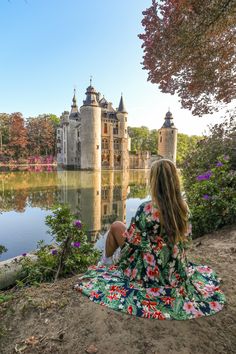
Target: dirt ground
<point>54,318</point>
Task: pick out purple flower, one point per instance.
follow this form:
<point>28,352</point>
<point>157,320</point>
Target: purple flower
<point>54,252</point>
<point>206,197</point>
<point>219,164</point>
<point>205,176</point>
<point>24,254</point>
<point>78,224</point>
<point>75,244</point>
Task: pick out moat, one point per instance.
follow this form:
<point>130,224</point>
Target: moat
<point>26,198</point>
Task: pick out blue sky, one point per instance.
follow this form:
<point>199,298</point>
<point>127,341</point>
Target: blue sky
<point>49,46</point>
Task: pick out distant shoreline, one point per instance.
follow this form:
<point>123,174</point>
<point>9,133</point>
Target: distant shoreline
<point>27,164</point>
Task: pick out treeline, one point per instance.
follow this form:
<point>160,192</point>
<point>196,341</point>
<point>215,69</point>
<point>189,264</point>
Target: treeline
<point>144,139</point>
<point>33,137</point>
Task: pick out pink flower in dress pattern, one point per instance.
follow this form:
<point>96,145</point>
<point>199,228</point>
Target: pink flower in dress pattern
<point>127,272</point>
<point>152,272</point>
<point>188,307</point>
<point>95,294</point>
<point>136,240</point>
<point>149,258</point>
<point>156,215</point>
<point>204,269</point>
<point>148,208</point>
<point>134,273</point>
<point>131,259</point>
<point>113,296</point>
<point>154,291</point>
<point>216,306</point>
<point>130,310</point>
<point>175,251</point>
<point>159,315</point>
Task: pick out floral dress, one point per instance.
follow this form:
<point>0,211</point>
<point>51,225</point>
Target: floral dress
<point>153,278</point>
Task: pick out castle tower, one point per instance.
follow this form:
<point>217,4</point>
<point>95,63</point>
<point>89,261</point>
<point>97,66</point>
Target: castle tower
<point>122,115</point>
<point>90,131</point>
<point>167,138</point>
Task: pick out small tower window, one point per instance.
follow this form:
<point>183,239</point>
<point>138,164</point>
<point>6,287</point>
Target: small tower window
<point>97,147</point>
<point>105,128</point>
<point>172,131</point>
<point>161,139</point>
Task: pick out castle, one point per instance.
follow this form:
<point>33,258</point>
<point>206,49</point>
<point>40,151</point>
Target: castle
<point>96,137</point>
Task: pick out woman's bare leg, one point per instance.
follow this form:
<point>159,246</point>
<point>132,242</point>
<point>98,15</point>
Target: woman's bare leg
<point>115,238</point>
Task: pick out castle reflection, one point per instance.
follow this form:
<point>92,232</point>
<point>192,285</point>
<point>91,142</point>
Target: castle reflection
<point>99,198</point>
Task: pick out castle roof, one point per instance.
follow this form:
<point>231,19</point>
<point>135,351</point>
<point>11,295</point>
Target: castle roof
<point>91,97</point>
<point>121,107</point>
<point>74,107</point>
<point>168,123</point>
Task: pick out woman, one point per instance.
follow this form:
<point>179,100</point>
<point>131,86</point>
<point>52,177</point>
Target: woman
<point>153,278</point>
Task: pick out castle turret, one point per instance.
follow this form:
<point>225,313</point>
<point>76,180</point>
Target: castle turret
<point>90,131</point>
<point>167,138</point>
<point>122,115</point>
<point>74,107</point>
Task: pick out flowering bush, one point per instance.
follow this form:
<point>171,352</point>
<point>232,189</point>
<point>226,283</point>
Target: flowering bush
<point>69,254</point>
<point>209,177</point>
<point>212,198</point>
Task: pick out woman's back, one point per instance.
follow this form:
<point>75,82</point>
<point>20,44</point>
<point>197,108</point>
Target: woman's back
<point>148,256</point>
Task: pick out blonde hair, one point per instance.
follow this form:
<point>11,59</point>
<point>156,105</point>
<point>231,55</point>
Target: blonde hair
<point>166,194</point>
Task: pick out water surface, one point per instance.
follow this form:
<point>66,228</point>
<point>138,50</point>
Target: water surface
<point>99,198</point>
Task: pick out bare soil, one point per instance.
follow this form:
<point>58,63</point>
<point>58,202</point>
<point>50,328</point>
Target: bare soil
<point>53,318</point>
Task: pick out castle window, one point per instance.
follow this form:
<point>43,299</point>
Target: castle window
<point>172,131</point>
<point>115,131</point>
<point>105,209</point>
<point>161,139</point>
<point>104,144</point>
<point>97,147</point>
<point>116,144</point>
<point>105,128</point>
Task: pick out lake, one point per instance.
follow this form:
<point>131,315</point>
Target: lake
<point>100,198</point>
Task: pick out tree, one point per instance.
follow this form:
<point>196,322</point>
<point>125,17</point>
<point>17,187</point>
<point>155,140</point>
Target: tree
<point>17,136</point>
<point>143,139</point>
<point>189,49</point>
<point>41,132</point>
<point>185,144</point>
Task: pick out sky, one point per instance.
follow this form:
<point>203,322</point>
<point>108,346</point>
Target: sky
<point>48,47</point>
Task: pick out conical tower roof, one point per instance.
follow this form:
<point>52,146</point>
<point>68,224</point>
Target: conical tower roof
<point>121,107</point>
<point>74,107</point>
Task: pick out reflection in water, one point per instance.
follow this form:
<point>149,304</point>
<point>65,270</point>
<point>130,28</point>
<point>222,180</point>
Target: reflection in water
<point>99,197</point>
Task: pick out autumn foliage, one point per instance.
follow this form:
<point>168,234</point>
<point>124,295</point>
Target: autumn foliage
<point>189,49</point>
<point>32,139</point>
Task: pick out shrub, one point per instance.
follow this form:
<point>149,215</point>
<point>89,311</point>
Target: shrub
<point>212,198</point>
<point>3,249</point>
<point>69,254</point>
<point>210,179</point>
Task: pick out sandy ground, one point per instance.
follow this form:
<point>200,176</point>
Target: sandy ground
<point>55,319</point>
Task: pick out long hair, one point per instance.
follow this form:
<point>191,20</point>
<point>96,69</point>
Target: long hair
<point>166,194</point>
